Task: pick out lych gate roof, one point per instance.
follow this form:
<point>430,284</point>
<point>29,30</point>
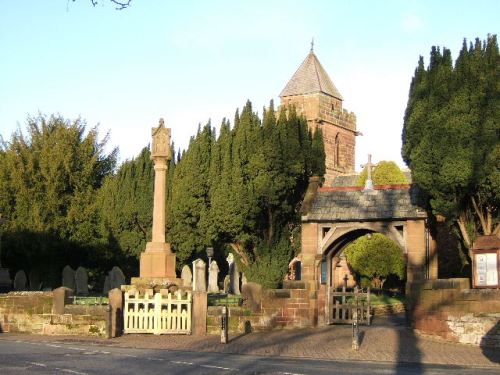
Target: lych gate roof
<point>355,205</point>
<point>310,78</point>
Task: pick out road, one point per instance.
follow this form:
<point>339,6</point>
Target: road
<point>57,358</point>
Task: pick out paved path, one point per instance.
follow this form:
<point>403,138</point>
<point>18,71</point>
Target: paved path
<point>387,340</point>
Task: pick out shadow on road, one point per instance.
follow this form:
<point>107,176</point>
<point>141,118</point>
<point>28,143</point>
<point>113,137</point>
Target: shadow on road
<point>489,351</point>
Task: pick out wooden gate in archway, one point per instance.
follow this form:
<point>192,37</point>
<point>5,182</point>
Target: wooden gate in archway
<point>347,307</point>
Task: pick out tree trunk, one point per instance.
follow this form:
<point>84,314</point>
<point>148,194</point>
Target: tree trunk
<point>238,250</point>
<point>463,230</point>
<point>480,215</point>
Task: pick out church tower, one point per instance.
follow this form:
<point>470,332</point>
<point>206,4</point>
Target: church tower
<point>314,95</point>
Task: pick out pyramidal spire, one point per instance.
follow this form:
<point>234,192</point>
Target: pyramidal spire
<point>311,78</point>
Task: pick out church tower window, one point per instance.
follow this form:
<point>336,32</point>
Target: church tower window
<point>337,151</point>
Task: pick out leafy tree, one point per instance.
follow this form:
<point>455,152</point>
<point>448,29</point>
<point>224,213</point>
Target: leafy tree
<point>384,173</point>
<point>451,136</point>
<point>49,178</point>
<point>374,257</point>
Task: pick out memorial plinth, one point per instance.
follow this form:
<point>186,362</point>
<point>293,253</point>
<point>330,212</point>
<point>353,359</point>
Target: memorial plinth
<point>157,264</point>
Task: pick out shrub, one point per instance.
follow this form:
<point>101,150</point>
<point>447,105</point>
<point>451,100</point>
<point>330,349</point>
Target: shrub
<point>384,173</point>
<point>374,257</point>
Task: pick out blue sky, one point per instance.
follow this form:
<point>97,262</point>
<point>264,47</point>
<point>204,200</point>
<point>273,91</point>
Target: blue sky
<point>190,61</point>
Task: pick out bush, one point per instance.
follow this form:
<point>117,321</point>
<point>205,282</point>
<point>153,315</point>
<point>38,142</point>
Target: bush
<point>384,173</point>
<point>271,264</point>
<point>374,257</point>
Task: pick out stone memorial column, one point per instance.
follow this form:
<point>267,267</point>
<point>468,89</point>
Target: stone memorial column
<point>158,261</point>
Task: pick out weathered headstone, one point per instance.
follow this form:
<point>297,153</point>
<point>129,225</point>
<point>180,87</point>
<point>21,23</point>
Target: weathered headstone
<point>199,276</point>
<point>20,280</point>
<point>107,285</point>
<point>68,278</point>
<point>213,274</point>
<point>243,280</point>
<point>82,282</point>
<point>117,278</point>
<point>34,280</point>
<point>226,284</point>
<point>234,275</point>
<point>187,276</point>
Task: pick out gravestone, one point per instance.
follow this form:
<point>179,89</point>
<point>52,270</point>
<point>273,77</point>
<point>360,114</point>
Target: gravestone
<point>187,276</point>
<point>226,284</point>
<point>234,275</point>
<point>68,278</point>
<point>213,274</point>
<point>82,282</point>
<point>20,280</point>
<point>107,285</point>
<point>199,276</point>
<point>117,278</point>
<point>243,280</point>
<point>34,280</point>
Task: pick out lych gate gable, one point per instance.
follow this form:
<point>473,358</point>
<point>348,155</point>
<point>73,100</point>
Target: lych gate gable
<point>337,216</point>
<point>330,233</point>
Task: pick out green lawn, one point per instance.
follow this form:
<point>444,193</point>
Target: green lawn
<point>382,299</point>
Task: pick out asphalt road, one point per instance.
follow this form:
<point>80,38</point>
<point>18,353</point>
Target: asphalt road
<point>56,358</point>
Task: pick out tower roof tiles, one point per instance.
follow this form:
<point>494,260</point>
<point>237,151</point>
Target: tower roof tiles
<point>310,78</point>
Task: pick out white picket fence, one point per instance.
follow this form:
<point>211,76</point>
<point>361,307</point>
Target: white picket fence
<point>157,313</point>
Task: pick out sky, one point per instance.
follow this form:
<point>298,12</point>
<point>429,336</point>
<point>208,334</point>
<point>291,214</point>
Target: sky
<point>194,61</point>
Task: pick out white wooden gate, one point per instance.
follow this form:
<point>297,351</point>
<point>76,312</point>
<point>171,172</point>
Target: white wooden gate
<point>157,313</point>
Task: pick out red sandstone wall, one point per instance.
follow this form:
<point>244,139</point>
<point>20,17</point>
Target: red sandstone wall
<point>445,308</point>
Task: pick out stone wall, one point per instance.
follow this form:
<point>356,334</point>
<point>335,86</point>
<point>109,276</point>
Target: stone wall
<point>291,307</point>
<point>287,308</point>
<point>31,312</point>
<point>449,309</point>
<point>241,320</point>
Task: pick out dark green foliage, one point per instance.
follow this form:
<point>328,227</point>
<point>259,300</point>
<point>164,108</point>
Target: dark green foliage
<point>126,202</point>
<point>374,257</point>
<point>241,191</point>
<point>49,178</point>
<point>272,261</point>
<point>451,136</point>
<point>244,189</point>
<point>384,173</point>
<point>189,211</point>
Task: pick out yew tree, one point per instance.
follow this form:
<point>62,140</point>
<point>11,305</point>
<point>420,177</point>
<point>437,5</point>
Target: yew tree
<point>451,136</point>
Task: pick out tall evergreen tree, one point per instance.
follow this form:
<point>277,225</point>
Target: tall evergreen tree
<point>190,197</point>
<point>126,201</point>
<point>451,136</point>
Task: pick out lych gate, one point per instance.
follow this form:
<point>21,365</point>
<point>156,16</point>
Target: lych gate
<point>334,217</point>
